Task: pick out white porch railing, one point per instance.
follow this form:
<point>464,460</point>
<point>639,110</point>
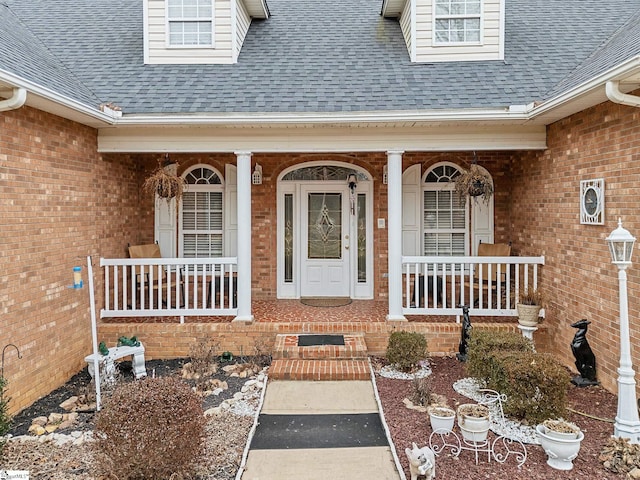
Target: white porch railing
<point>489,285</point>
<point>147,287</point>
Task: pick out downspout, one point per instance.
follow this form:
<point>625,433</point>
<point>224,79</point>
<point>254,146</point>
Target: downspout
<point>15,101</point>
<point>614,94</point>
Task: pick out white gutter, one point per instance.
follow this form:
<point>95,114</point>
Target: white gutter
<point>15,101</point>
<point>504,114</point>
<point>615,95</point>
<point>35,89</point>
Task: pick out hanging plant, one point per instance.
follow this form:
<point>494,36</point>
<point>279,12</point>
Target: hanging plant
<point>474,182</point>
<point>165,183</point>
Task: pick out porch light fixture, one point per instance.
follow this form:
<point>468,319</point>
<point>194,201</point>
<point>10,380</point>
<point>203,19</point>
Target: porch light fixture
<point>256,176</point>
<point>352,181</point>
<point>627,423</point>
<point>385,175</point>
<point>169,166</point>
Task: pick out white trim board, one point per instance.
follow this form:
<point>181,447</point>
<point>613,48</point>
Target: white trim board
<point>321,139</point>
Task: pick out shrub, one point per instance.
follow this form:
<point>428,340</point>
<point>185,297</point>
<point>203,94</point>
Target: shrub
<point>204,355</point>
<point>421,391</point>
<point>149,429</point>
<point>535,385</point>
<point>262,352</point>
<point>484,345</point>
<point>5,418</point>
<point>406,349</point>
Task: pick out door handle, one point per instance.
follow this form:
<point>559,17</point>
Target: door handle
<point>346,247</point>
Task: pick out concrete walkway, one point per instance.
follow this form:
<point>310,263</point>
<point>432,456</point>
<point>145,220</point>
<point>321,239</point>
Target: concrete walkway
<point>289,417</point>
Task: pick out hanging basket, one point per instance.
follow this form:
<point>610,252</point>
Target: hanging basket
<point>474,182</point>
<point>165,184</point>
<point>477,188</point>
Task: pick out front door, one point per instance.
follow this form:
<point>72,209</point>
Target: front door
<point>326,242</point>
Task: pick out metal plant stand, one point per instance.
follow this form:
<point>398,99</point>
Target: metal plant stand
<point>500,449</point>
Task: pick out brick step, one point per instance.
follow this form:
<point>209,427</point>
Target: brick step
<point>286,347</point>
<point>320,370</point>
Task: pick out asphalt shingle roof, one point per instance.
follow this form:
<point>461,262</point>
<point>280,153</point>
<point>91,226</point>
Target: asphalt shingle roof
<point>311,56</point>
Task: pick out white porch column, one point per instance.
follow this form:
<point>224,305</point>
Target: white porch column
<point>394,232</point>
<point>244,237</point>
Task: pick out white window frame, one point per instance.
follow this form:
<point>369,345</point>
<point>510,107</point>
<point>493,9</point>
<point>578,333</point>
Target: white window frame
<point>194,188</point>
<point>467,16</point>
<point>442,186</point>
<point>186,20</point>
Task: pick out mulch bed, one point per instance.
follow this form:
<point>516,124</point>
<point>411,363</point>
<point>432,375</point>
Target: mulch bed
<point>407,426</point>
<point>77,385</point>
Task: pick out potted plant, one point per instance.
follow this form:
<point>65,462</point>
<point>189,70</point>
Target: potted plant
<point>473,420</point>
<point>165,182</point>
<point>441,418</point>
<point>474,182</point>
<point>561,442</point>
<point>529,305</point>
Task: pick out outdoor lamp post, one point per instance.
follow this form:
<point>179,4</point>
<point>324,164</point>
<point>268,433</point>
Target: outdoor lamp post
<point>627,424</point>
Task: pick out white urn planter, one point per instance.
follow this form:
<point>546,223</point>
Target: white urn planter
<point>442,419</point>
<point>473,421</point>
<point>561,448</point>
<point>528,314</point>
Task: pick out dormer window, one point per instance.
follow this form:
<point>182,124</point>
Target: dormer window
<point>457,21</point>
<point>190,23</point>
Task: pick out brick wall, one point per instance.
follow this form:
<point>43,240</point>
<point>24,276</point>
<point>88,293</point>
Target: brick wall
<point>601,142</point>
<point>59,202</point>
<point>173,340</point>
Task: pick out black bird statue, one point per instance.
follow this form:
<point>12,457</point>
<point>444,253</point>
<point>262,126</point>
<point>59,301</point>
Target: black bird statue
<point>585,359</point>
<point>464,334</point>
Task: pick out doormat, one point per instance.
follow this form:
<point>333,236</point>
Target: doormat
<point>317,340</point>
<point>325,301</point>
<point>319,431</point>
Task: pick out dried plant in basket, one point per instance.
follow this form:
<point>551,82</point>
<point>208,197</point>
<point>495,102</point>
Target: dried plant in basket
<point>165,184</point>
<point>474,182</point>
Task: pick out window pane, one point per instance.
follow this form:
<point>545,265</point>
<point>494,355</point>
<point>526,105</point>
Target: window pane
<point>458,219</point>
<point>190,11</point>
<point>362,238</point>
<point>288,238</point>
<point>442,37</point>
<point>202,224</point>
<point>190,33</point>
<point>445,220</point>
<point>442,8</point>
<point>325,225</point>
<point>473,8</point>
<point>457,8</point>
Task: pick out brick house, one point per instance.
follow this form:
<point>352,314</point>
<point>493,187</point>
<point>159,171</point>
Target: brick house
<point>316,140</point>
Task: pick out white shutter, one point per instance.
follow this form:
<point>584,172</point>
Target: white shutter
<point>165,226</point>
<point>411,210</point>
<point>481,222</point>
<point>231,211</point>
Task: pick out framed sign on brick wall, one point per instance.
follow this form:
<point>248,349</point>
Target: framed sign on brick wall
<point>592,201</point>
